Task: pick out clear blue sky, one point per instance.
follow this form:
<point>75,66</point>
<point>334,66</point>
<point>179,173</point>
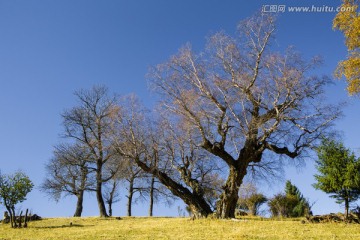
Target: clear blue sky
<point>48,49</point>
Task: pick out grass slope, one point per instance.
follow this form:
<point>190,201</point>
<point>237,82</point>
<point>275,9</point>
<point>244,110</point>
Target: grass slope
<point>177,228</point>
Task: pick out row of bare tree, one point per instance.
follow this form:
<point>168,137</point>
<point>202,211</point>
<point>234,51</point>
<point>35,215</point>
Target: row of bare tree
<point>113,141</point>
<point>235,108</point>
<point>89,161</point>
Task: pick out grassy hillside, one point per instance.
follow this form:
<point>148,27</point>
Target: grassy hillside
<point>177,228</point>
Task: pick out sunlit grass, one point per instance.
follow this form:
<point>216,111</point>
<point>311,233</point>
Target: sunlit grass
<point>177,228</point>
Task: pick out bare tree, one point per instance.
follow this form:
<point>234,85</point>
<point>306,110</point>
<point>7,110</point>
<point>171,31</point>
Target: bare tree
<point>196,167</point>
<point>172,160</point>
<point>245,103</point>
<point>112,187</point>
<point>68,173</point>
<point>135,177</point>
<point>112,194</point>
<point>157,192</point>
<point>91,124</point>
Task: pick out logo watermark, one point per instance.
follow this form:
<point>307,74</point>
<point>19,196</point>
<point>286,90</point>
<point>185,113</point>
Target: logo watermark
<point>305,9</point>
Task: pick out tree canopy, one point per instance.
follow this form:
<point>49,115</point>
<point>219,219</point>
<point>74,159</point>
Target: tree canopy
<point>339,172</point>
<point>289,204</point>
<point>302,206</point>
<point>13,190</point>
<point>348,22</point>
<point>243,103</point>
<point>68,173</point>
<point>91,125</point>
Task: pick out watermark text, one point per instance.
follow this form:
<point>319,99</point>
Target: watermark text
<point>305,9</point>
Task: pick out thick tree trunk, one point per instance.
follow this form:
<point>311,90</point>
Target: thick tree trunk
<point>200,209</point>
<point>226,206</point>
<point>130,196</point>
<point>79,204</point>
<point>151,206</point>
<point>99,197</point>
<point>100,200</point>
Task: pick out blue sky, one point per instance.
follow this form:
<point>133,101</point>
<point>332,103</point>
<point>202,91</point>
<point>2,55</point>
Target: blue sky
<point>49,49</point>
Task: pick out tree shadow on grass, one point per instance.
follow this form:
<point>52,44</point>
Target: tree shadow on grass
<point>64,226</point>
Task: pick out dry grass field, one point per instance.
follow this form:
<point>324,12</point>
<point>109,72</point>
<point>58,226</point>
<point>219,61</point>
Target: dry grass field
<point>177,228</point>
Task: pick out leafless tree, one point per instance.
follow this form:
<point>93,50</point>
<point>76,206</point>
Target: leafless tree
<point>112,187</point>
<point>195,167</point>
<point>111,193</point>
<point>244,103</point>
<point>174,161</point>
<point>157,191</point>
<point>91,124</point>
<point>68,173</point>
<point>136,184</point>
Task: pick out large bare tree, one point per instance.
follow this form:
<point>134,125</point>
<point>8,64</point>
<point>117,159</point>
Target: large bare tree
<point>68,173</point>
<point>91,124</point>
<point>245,103</point>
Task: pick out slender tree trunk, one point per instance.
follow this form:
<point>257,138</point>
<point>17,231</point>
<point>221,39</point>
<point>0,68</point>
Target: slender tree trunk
<point>80,194</point>
<point>12,220</point>
<point>11,216</point>
<point>111,197</point>
<point>14,217</point>
<point>130,196</point>
<point>99,197</point>
<point>253,211</point>
<point>151,206</point>
<point>226,206</point>
<point>79,204</point>
<point>346,208</point>
<point>20,219</point>
<point>26,220</point>
<point>110,208</point>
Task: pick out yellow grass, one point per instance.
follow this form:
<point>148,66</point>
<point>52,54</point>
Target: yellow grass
<point>177,228</point>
